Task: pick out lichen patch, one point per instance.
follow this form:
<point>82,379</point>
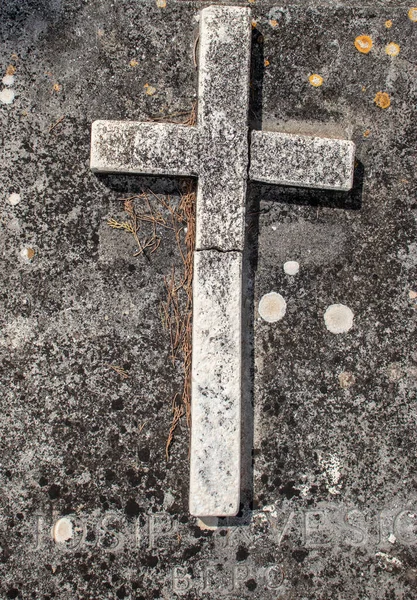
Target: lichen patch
<point>316,80</point>
<point>291,267</point>
<point>392,49</point>
<point>27,253</point>
<point>6,96</point>
<point>346,380</point>
<point>272,307</point>
<point>338,318</point>
<point>363,44</point>
<point>13,199</point>
<point>382,100</point>
<point>62,530</point>
<point>149,89</point>
<point>8,80</point>
<point>412,14</point>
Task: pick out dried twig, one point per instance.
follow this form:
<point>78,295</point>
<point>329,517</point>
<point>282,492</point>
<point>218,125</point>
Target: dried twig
<point>120,371</point>
<point>57,123</point>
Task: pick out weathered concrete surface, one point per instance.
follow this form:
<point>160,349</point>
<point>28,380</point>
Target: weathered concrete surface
<point>146,148</point>
<point>304,161</point>
<point>70,445</point>
<point>216,387</point>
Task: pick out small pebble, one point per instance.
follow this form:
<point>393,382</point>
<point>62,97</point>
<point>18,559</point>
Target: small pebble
<point>272,307</point>
<point>338,318</point>
<point>14,199</point>
<point>291,267</point>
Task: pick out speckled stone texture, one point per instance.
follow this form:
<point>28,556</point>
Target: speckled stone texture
<point>297,160</point>
<point>223,102</point>
<point>329,487</point>
<point>216,384</point>
<point>147,148</point>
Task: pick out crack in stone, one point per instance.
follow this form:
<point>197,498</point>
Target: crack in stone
<point>217,249</point>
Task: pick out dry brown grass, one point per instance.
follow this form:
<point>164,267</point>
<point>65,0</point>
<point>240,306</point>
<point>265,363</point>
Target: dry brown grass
<point>144,224</point>
<point>146,214</point>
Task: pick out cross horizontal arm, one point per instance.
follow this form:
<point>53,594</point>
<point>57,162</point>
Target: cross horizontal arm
<point>301,160</point>
<point>147,148</point>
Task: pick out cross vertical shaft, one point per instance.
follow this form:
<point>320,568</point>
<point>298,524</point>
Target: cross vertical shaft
<point>223,100</point>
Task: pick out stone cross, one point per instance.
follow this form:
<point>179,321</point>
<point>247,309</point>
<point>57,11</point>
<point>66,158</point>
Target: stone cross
<point>217,151</point>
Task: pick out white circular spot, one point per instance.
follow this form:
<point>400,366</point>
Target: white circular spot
<point>6,96</point>
<point>272,307</point>
<point>62,530</point>
<point>338,318</point>
<point>291,267</point>
<point>8,80</point>
<point>14,199</point>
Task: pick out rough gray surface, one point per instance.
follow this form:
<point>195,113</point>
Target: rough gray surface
<point>223,101</point>
<point>146,148</point>
<point>70,442</point>
<point>306,161</point>
<point>216,387</point>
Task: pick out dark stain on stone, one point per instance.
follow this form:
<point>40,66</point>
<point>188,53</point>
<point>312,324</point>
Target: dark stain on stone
<point>242,553</point>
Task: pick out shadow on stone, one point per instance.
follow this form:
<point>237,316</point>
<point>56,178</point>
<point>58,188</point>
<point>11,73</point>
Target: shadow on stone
<point>136,184</point>
<point>351,200</point>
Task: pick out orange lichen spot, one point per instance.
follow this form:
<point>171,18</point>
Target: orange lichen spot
<point>266,62</point>
<point>133,63</point>
<point>251,1</point>
<point>273,22</point>
<point>363,43</point>
<point>388,24</point>
<point>412,14</point>
<point>316,80</point>
<point>161,3</point>
<point>14,56</point>
<point>56,87</point>
<point>30,253</point>
<point>367,133</point>
<point>392,49</point>
<point>149,89</point>
<point>382,100</point>
<point>253,23</point>
<point>11,70</point>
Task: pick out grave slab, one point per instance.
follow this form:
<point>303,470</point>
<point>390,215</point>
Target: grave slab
<point>89,506</point>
